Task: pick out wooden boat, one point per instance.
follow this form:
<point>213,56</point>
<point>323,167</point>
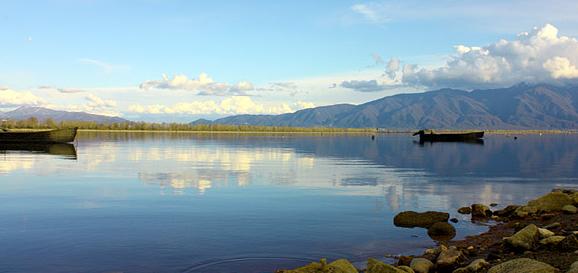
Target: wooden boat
<point>63,150</point>
<point>48,136</point>
<point>431,136</point>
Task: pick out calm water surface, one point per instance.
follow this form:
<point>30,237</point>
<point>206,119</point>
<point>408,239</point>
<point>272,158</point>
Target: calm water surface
<point>227,203</point>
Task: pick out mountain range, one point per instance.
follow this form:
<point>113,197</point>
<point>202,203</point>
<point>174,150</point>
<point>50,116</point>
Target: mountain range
<point>43,114</point>
<point>521,106</point>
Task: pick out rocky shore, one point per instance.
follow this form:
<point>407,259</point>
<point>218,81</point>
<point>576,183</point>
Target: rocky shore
<point>539,237</point>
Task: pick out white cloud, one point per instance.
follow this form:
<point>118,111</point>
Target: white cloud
<point>104,66</point>
<point>560,67</point>
<point>539,56</point>
<point>93,105</point>
<point>203,85</point>
<point>535,57</point>
<point>12,98</point>
<point>371,12</point>
<point>230,106</point>
<point>61,90</point>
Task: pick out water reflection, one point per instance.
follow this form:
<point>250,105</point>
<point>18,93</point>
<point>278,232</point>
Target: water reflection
<point>181,201</point>
<point>67,151</point>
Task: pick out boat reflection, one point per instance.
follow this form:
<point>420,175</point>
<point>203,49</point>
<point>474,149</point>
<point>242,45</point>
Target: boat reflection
<point>66,151</point>
<point>468,141</point>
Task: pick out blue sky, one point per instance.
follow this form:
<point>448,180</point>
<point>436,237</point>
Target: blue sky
<point>264,57</point>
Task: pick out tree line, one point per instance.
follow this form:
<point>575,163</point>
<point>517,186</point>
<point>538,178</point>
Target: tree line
<point>34,123</point>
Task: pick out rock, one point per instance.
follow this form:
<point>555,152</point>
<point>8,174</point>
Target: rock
<point>465,210</point>
<point>573,268</point>
<point>430,251</point>
<point>481,211</point>
<point>506,212</point>
<point>523,239</point>
<point>338,266</point>
<point>441,231</point>
<point>449,257</point>
<point>552,240</point>
<point>421,265</point>
<point>493,204</point>
<point>454,220</point>
<point>376,266</point>
<point>406,268</point>
<point>404,260</point>
<point>475,266</point>
<point>569,209</point>
<point>525,211</point>
<point>570,243</point>
<point>523,265</point>
<point>544,233</point>
<point>416,219</point>
<point>551,202</point>
<point>574,198</point>
<point>553,226</point>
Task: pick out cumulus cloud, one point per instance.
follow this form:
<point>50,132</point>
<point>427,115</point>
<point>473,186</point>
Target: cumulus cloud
<point>538,56</point>
<point>203,85</point>
<point>94,105</point>
<point>560,67</point>
<point>230,106</point>
<point>392,68</point>
<point>12,98</point>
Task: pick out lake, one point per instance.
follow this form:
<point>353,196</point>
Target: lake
<point>161,202</point>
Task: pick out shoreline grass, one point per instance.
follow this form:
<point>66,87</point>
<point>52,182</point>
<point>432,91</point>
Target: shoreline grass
<point>85,126</point>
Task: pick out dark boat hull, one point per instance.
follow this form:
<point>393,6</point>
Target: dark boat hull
<point>431,137</point>
<point>51,136</point>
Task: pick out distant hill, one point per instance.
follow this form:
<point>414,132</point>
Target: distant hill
<point>42,114</point>
<point>521,106</point>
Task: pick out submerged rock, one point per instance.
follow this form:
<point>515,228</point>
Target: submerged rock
<point>523,265</point>
<point>475,266</point>
<point>523,239</point>
<point>465,210</point>
<point>417,219</point>
<point>441,231</point>
<point>376,266</point>
<point>421,265</point>
<point>338,266</point>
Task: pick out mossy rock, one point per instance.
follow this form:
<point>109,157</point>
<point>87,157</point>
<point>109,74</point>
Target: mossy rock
<point>553,201</point>
<point>507,211</point>
<point>338,266</point>
<point>525,238</point>
<point>421,265</point>
<point>481,211</point>
<point>523,265</point>
<point>419,219</point>
<point>376,266</point>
